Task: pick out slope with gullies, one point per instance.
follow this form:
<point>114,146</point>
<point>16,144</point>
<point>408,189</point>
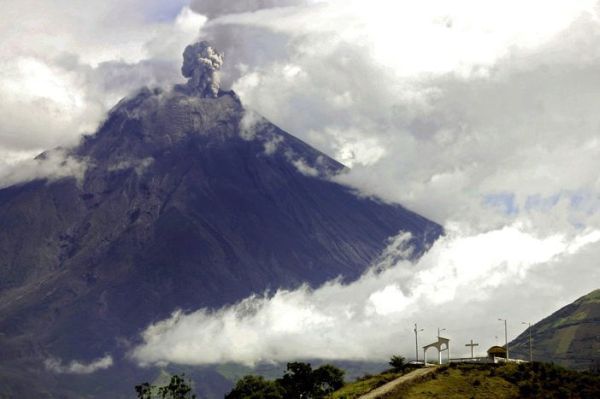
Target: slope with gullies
<point>569,337</point>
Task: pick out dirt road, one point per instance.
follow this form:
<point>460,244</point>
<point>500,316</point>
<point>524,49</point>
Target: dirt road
<point>390,386</point>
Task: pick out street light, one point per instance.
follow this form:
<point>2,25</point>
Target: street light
<point>439,330</point>
<point>505,336</point>
<point>530,351</point>
<point>417,341</point>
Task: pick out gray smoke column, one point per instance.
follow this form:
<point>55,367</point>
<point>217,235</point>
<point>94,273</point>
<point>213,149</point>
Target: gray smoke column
<point>201,64</point>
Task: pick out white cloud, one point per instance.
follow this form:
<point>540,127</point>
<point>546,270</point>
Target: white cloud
<point>216,8</point>
<point>64,64</point>
<point>304,168</point>
<point>441,112</point>
<point>460,284</point>
<point>52,165</point>
<point>76,367</point>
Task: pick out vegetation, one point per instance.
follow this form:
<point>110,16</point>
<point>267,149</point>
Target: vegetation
<point>256,387</point>
<point>544,380</point>
<point>455,381</point>
<point>463,381</point>
<point>398,363</point>
<point>364,385</point>
<point>300,381</point>
<point>525,380</point>
<point>177,388</point>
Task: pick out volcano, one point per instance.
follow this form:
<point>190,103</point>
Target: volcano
<point>187,200</point>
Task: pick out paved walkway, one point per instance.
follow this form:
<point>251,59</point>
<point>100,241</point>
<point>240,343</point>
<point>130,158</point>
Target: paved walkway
<point>390,386</point>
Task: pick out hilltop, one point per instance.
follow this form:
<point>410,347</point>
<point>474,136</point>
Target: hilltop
<point>485,381</point>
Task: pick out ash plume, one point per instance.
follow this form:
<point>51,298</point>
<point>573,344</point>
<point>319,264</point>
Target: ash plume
<point>201,64</point>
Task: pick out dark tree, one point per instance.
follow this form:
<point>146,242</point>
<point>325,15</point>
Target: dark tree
<point>256,387</point>
<point>327,379</point>
<point>301,382</point>
<point>398,363</point>
<point>298,380</point>
<point>177,388</point>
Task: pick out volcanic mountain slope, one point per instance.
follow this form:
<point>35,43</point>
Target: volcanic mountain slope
<point>187,201</point>
<point>569,337</point>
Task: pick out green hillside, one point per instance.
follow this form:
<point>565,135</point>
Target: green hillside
<point>569,337</point>
<point>458,381</point>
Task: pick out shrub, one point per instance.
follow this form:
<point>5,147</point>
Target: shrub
<point>256,387</point>
<point>398,363</point>
<point>177,388</point>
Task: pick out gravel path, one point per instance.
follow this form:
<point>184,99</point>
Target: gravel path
<point>390,386</point>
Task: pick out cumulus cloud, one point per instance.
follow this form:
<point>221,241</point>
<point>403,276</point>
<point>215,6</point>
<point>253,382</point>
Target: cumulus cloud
<point>75,367</point>
<point>61,71</point>
<point>443,112</point>
<point>463,284</point>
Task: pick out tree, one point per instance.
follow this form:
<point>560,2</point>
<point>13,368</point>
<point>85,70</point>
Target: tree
<point>301,382</point>
<point>398,363</point>
<point>256,387</point>
<point>298,380</point>
<point>327,379</point>
<point>177,388</point>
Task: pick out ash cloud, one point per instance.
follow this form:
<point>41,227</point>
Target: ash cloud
<point>76,367</point>
<point>201,64</point>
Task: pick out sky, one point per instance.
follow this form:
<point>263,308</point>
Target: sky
<point>480,116</point>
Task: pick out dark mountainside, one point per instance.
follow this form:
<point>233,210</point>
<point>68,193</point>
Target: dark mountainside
<point>569,337</point>
<point>183,205</point>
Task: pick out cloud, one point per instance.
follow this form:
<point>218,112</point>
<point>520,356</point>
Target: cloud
<point>139,165</point>
<point>437,107</point>
<point>303,167</point>
<point>51,165</point>
<point>60,71</point>
<point>216,8</point>
<point>75,367</point>
<point>464,283</point>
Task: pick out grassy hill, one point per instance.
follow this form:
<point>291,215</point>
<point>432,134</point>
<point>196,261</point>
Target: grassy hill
<point>458,381</point>
<point>569,337</point>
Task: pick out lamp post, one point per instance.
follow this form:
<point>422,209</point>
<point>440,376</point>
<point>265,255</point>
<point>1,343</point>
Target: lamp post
<point>530,350</point>
<point>417,341</point>
<point>439,330</point>
<point>505,336</point>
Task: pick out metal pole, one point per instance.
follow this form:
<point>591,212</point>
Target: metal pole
<point>530,348</point>
<point>416,343</point>
<point>505,337</point>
